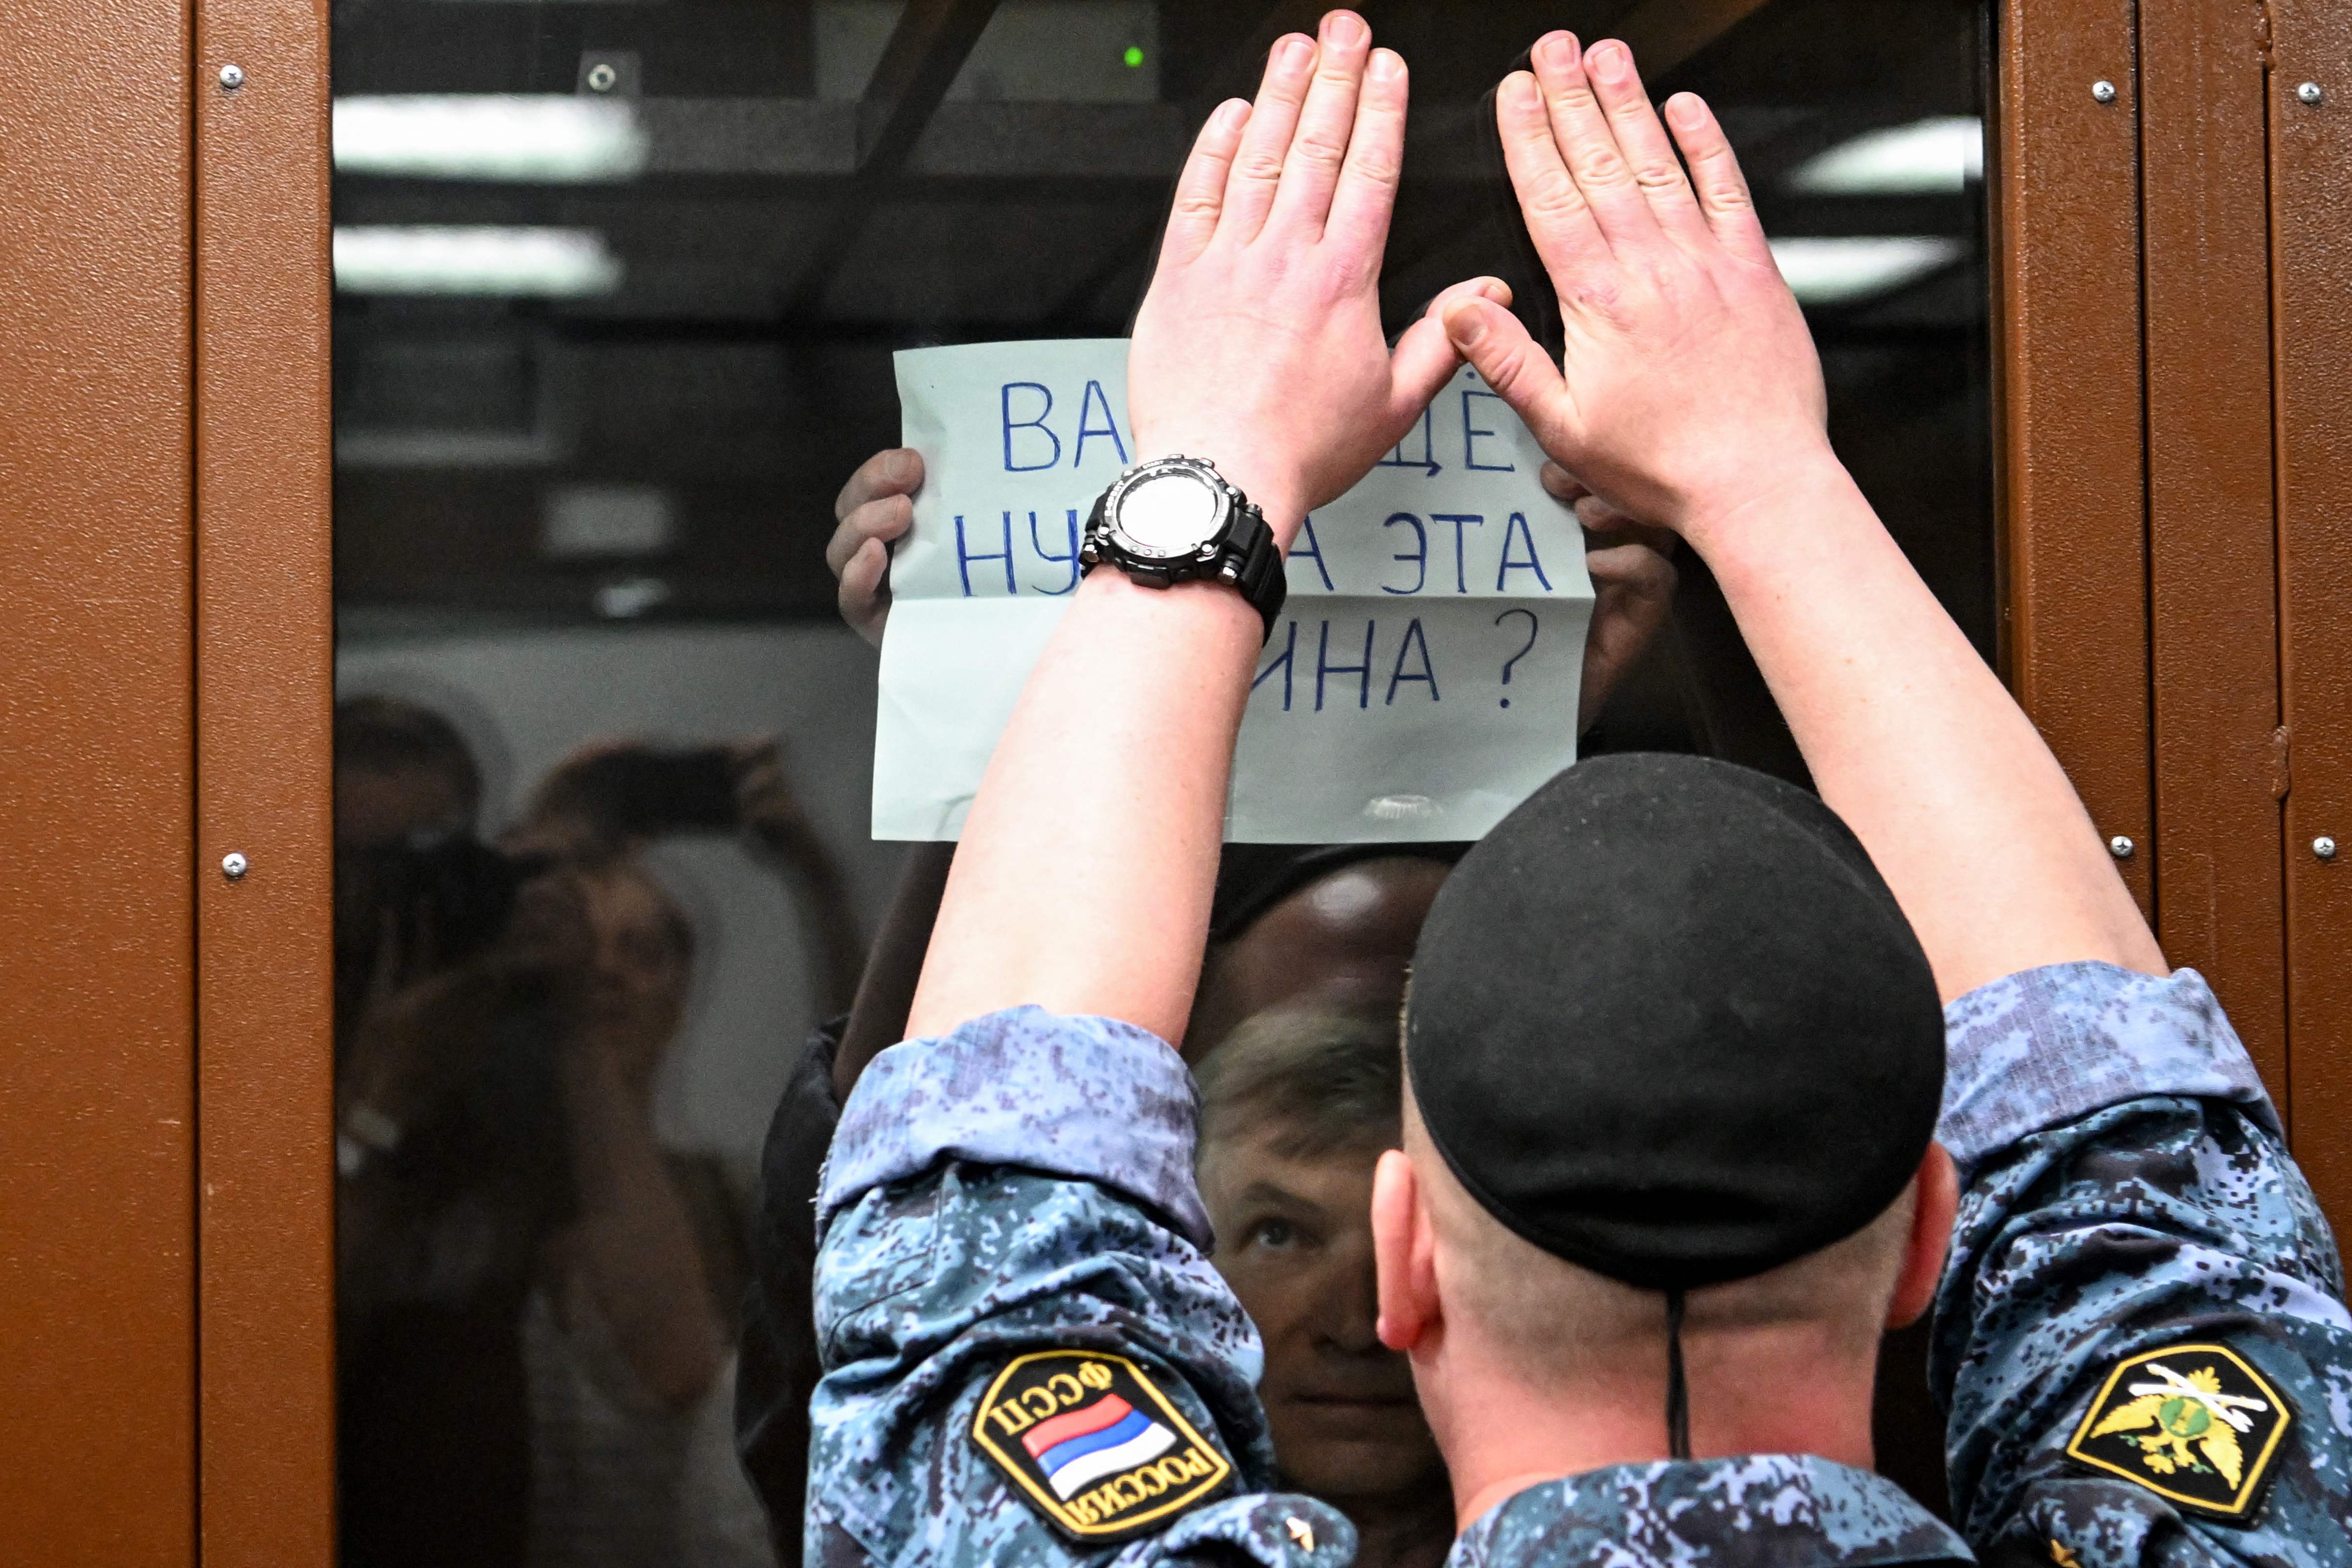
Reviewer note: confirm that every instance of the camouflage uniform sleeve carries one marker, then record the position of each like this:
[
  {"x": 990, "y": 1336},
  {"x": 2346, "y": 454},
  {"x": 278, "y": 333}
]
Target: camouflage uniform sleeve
[
  {"x": 1028, "y": 1358},
  {"x": 2140, "y": 1336}
]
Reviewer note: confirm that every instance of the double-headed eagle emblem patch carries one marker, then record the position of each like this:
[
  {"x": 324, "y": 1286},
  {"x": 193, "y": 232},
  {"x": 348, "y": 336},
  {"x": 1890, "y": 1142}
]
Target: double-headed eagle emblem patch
[{"x": 2194, "y": 1423}]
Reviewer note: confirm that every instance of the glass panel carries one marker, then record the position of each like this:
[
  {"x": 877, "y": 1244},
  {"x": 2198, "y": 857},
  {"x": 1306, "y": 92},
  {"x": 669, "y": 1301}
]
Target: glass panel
[{"x": 618, "y": 290}]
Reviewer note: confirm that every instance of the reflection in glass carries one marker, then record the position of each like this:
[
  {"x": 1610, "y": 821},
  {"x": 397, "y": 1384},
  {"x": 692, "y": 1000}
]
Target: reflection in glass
[{"x": 617, "y": 286}]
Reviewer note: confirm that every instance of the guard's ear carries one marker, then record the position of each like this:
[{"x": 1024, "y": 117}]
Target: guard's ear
[
  {"x": 1403, "y": 1253},
  {"x": 1935, "y": 1202}
]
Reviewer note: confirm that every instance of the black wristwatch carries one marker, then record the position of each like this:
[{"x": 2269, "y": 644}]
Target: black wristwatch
[{"x": 1176, "y": 520}]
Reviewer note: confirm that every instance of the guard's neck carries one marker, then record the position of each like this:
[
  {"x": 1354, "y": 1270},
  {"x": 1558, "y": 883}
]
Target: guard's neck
[{"x": 1769, "y": 1391}]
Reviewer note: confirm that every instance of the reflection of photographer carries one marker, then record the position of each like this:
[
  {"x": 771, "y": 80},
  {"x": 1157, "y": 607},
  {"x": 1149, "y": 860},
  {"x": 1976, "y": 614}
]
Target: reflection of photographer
[
  {"x": 630, "y": 1333},
  {"x": 536, "y": 1299},
  {"x": 614, "y": 798},
  {"x": 442, "y": 945},
  {"x": 454, "y": 967}
]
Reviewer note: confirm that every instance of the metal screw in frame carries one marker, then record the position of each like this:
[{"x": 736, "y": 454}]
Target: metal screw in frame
[
  {"x": 603, "y": 78},
  {"x": 2121, "y": 848},
  {"x": 232, "y": 76},
  {"x": 2103, "y": 91},
  {"x": 233, "y": 866},
  {"x": 2324, "y": 847},
  {"x": 2310, "y": 94}
]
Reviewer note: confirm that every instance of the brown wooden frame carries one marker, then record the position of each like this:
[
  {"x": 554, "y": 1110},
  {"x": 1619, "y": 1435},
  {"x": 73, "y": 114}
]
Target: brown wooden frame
[
  {"x": 2235, "y": 751},
  {"x": 2064, "y": 174},
  {"x": 98, "y": 1119},
  {"x": 2177, "y": 527},
  {"x": 264, "y": 689},
  {"x": 2179, "y": 530},
  {"x": 2311, "y": 343},
  {"x": 2219, "y": 755}
]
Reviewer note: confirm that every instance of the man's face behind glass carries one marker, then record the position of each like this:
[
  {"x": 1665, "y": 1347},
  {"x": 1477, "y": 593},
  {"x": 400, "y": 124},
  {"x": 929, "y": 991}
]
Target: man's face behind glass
[{"x": 1295, "y": 1241}]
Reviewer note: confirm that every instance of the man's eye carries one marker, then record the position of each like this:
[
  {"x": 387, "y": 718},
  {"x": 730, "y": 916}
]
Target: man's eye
[{"x": 1272, "y": 1232}]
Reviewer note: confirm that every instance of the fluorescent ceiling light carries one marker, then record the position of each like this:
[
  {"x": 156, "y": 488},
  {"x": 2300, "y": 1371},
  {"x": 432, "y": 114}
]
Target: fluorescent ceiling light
[
  {"x": 1927, "y": 157},
  {"x": 557, "y": 263},
  {"x": 1830, "y": 271},
  {"x": 541, "y": 137}
]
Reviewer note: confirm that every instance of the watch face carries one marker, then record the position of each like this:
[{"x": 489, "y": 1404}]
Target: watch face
[{"x": 1170, "y": 513}]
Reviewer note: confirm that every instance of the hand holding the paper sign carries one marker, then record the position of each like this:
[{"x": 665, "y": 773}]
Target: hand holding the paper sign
[
  {"x": 873, "y": 511},
  {"x": 1259, "y": 344},
  {"x": 1634, "y": 579}
]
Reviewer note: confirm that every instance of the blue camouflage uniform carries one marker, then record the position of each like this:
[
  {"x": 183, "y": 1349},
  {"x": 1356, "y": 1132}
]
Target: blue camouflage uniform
[{"x": 1029, "y": 1359}]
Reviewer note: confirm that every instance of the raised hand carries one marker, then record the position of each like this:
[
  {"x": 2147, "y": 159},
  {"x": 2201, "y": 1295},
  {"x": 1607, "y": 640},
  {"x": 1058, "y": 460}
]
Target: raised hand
[
  {"x": 1689, "y": 388},
  {"x": 1259, "y": 344},
  {"x": 1690, "y": 396},
  {"x": 873, "y": 509},
  {"x": 764, "y": 802}
]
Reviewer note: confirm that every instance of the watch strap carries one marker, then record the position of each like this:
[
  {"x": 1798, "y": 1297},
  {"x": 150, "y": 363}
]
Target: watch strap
[{"x": 1259, "y": 569}]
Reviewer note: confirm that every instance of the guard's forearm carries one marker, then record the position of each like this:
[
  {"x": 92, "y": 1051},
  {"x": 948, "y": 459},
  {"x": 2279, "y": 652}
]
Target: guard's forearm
[
  {"x": 1918, "y": 745},
  {"x": 1084, "y": 877}
]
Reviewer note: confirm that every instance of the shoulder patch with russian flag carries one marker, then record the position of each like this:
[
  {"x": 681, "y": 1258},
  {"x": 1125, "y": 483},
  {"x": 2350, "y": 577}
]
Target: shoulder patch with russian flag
[{"x": 1098, "y": 1451}]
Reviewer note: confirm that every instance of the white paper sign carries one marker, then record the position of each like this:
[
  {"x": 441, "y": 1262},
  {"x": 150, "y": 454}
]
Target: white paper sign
[{"x": 1422, "y": 681}]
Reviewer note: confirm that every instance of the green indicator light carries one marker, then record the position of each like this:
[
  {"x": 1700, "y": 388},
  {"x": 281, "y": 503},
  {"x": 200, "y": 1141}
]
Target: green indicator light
[{"x": 1134, "y": 56}]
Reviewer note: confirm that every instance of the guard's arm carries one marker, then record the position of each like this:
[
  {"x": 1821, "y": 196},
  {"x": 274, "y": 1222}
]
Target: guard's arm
[
  {"x": 2131, "y": 1223},
  {"x": 2129, "y": 1202},
  {"x": 1692, "y": 396},
  {"x": 1084, "y": 877},
  {"x": 1009, "y": 1199},
  {"x": 1028, "y": 1358}
]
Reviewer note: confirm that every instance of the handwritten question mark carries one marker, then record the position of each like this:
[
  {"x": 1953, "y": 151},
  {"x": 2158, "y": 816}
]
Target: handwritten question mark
[{"x": 1533, "y": 627}]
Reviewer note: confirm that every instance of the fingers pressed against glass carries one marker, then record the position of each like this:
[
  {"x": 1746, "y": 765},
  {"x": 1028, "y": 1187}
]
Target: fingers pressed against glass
[
  {"x": 1265, "y": 141},
  {"x": 1201, "y": 188},
  {"x": 1368, "y": 181},
  {"x": 1559, "y": 220},
  {"x": 1588, "y": 143},
  {"x": 1722, "y": 189},
  {"x": 1641, "y": 139},
  {"x": 1327, "y": 118}
]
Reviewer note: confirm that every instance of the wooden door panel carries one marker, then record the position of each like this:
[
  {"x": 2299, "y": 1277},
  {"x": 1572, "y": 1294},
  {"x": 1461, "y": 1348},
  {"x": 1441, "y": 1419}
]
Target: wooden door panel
[
  {"x": 265, "y": 789},
  {"x": 2213, "y": 564},
  {"x": 2311, "y": 149},
  {"x": 2065, "y": 169},
  {"x": 97, "y": 982}
]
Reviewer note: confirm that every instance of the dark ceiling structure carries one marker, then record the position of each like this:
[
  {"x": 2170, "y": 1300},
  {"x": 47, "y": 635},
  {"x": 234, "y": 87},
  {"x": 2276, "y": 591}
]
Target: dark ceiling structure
[{"x": 785, "y": 233}]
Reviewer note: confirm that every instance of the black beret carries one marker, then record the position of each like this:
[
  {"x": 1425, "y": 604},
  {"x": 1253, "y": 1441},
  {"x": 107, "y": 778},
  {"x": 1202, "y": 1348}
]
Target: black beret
[{"x": 1667, "y": 1023}]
